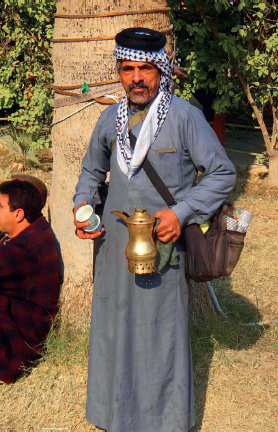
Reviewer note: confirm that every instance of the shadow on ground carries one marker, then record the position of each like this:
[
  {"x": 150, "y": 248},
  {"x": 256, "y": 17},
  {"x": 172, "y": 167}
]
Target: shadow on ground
[{"x": 211, "y": 332}]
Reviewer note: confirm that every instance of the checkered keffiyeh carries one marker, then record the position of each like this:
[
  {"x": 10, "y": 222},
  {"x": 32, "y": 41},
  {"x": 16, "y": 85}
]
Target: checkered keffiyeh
[{"x": 128, "y": 162}]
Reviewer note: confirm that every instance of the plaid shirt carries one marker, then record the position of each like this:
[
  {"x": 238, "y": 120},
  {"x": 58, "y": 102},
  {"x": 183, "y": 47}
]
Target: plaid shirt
[{"x": 29, "y": 289}]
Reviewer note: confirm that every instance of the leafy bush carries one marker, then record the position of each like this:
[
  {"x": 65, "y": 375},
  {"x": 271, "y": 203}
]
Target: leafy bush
[
  {"x": 229, "y": 49},
  {"x": 26, "y": 70}
]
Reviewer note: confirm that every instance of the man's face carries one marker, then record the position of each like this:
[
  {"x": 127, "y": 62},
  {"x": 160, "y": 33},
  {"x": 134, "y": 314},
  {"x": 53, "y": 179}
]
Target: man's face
[
  {"x": 140, "y": 81},
  {"x": 7, "y": 217}
]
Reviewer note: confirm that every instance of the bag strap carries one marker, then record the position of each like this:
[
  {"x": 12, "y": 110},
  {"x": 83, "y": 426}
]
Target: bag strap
[{"x": 157, "y": 182}]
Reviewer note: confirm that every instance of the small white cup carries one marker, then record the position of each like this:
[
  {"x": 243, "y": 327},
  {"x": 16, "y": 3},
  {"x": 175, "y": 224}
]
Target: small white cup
[{"x": 86, "y": 214}]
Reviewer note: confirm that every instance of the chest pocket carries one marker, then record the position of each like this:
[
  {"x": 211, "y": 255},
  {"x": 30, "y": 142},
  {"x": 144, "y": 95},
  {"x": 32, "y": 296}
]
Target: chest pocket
[{"x": 167, "y": 164}]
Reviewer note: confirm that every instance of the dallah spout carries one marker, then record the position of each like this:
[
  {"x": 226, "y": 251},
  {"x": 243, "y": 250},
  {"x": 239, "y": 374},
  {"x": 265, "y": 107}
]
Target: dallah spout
[{"x": 123, "y": 215}]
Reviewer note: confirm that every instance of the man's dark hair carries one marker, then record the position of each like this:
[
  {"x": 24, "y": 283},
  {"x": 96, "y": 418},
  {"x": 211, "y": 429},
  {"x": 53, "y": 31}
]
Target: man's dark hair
[
  {"x": 35, "y": 182},
  {"x": 23, "y": 195}
]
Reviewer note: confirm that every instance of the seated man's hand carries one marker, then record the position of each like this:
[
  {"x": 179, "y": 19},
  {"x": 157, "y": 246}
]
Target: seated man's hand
[
  {"x": 169, "y": 227},
  {"x": 80, "y": 225}
]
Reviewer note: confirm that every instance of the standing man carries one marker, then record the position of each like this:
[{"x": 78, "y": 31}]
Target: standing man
[{"x": 140, "y": 367}]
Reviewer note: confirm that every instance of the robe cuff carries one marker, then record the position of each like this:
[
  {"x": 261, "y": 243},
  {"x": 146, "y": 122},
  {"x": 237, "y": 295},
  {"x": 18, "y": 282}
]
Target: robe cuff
[
  {"x": 183, "y": 212},
  {"x": 80, "y": 198}
]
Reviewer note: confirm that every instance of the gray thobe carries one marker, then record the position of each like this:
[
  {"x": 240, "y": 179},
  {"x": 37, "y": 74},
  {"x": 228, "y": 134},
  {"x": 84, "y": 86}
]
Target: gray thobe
[{"x": 140, "y": 366}]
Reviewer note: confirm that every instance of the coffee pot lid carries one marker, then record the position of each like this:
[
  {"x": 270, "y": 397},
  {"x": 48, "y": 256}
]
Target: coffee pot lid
[{"x": 140, "y": 216}]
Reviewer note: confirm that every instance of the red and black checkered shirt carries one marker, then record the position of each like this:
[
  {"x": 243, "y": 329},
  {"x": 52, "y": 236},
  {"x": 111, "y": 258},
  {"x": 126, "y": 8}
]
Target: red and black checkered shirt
[{"x": 29, "y": 290}]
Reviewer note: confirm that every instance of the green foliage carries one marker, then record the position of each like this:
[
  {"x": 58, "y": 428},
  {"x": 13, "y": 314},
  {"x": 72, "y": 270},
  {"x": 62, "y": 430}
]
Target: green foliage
[
  {"x": 260, "y": 158},
  {"x": 185, "y": 90},
  {"x": 26, "y": 71},
  {"x": 21, "y": 143},
  {"x": 219, "y": 40}
]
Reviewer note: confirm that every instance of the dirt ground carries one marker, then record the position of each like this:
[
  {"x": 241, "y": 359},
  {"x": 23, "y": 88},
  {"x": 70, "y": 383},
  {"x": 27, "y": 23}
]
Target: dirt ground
[{"x": 236, "y": 376}]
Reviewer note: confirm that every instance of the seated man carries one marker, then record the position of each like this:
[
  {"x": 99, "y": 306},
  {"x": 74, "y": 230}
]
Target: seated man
[{"x": 29, "y": 277}]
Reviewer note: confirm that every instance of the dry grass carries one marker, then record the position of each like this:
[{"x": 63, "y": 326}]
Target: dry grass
[
  {"x": 235, "y": 367},
  {"x": 53, "y": 396}
]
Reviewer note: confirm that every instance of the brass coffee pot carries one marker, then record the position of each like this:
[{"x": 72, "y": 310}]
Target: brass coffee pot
[{"x": 141, "y": 250}]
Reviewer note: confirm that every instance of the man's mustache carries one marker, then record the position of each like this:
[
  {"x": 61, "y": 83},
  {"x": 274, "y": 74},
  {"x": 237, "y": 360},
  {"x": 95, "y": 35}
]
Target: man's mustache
[{"x": 140, "y": 85}]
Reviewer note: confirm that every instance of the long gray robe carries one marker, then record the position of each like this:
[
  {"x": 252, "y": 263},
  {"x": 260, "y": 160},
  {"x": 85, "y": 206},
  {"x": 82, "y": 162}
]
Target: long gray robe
[{"x": 140, "y": 367}]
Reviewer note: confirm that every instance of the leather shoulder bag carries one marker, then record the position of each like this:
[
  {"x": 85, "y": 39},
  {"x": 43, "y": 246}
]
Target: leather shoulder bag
[{"x": 210, "y": 255}]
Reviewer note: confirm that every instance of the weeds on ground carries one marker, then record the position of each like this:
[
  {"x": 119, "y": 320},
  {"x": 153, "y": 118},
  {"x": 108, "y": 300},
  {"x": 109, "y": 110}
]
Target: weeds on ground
[
  {"x": 238, "y": 192},
  {"x": 66, "y": 345},
  {"x": 213, "y": 338},
  {"x": 269, "y": 343},
  {"x": 53, "y": 394},
  {"x": 219, "y": 333}
]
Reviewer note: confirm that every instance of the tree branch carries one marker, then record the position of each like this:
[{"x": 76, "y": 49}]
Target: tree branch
[
  {"x": 275, "y": 123},
  {"x": 268, "y": 143}
]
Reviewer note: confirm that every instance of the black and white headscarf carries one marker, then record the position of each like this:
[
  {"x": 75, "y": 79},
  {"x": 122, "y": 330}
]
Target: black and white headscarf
[{"x": 128, "y": 162}]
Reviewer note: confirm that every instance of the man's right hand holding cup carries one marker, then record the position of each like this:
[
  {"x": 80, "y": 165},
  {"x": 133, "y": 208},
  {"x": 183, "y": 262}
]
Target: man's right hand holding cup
[{"x": 81, "y": 225}]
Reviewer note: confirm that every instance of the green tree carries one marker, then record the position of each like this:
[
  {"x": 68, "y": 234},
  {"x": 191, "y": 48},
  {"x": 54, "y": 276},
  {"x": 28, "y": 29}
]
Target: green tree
[
  {"x": 230, "y": 49},
  {"x": 26, "y": 70}
]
